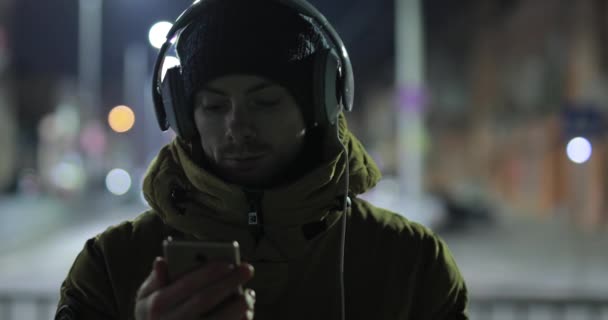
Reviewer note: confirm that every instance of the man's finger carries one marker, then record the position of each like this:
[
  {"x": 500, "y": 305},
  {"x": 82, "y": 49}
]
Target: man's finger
[
  {"x": 162, "y": 271},
  {"x": 234, "y": 309},
  {"x": 208, "y": 298},
  {"x": 155, "y": 280},
  {"x": 181, "y": 289}
]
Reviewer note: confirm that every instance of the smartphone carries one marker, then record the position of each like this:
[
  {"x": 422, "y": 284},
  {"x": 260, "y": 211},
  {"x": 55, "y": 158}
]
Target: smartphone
[{"x": 185, "y": 256}]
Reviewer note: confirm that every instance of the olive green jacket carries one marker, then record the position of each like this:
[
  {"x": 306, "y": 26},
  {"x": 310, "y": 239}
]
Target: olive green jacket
[{"x": 394, "y": 268}]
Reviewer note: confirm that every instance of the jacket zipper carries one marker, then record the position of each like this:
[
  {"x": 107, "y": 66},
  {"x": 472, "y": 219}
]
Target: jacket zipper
[{"x": 255, "y": 216}]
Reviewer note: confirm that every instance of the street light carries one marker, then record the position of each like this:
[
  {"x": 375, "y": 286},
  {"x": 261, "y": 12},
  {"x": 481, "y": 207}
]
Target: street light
[
  {"x": 118, "y": 182},
  {"x": 158, "y": 33},
  {"x": 579, "y": 150},
  {"x": 121, "y": 119}
]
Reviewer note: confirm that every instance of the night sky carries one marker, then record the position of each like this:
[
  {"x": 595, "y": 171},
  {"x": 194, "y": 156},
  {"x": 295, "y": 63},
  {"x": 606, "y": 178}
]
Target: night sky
[
  {"x": 45, "y": 31},
  {"x": 45, "y": 34}
]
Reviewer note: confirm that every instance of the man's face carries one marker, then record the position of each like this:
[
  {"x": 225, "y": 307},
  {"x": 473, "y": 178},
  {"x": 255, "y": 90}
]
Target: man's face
[{"x": 251, "y": 129}]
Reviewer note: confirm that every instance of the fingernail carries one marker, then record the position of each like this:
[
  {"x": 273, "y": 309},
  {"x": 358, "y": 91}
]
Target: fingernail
[
  {"x": 156, "y": 264},
  {"x": 252, "y": 293},
  {"x": 251, "y": 269}
]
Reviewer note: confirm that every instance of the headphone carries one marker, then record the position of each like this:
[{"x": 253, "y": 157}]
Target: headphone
[{"x": 333, "y": 80}]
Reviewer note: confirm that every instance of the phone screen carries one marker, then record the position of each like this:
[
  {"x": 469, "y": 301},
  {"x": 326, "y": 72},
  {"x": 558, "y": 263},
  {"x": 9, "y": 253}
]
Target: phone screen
[{"x": 185, "y": 256}]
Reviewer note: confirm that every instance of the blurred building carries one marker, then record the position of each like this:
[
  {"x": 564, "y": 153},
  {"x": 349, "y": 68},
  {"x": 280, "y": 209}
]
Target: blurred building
[
  {"x": 8, "y": 123},
  {"x": 534, "y": 70},
  {"x": 511, "y": 84}
]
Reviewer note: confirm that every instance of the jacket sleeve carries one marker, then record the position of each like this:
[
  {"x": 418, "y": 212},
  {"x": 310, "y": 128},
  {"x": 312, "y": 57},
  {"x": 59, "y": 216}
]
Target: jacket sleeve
[
  {"x": 444, "y": 290},
  {"x": 87, "y": 291}
]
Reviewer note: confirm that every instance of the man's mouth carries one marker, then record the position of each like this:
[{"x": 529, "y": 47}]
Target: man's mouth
[
  {"x": 243, "y": 161},
  {"x": 245, "y": 156}
]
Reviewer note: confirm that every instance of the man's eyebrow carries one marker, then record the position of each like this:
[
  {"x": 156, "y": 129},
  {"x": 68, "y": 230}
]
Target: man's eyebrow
[
  {"x": 257, "y": 87},
  {"x": 216, "y": 91}
]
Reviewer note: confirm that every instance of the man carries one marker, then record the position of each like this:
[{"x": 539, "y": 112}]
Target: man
[{"x": 250, "y": 73}]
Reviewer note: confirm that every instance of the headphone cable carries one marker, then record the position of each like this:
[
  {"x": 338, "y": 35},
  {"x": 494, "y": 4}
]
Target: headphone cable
[{"x": 345, "y": 206}]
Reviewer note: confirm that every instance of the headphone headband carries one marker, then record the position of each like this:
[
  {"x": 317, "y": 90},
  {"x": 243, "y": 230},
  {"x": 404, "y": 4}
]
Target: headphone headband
[{"x": 346, "y": 86}]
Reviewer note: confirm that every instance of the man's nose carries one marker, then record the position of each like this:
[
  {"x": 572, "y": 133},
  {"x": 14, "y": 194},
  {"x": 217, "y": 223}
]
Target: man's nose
[{"x": 240, "y": 124}]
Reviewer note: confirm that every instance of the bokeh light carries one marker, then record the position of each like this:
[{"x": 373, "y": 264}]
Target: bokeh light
[
  {"x": 579, "y": 150},
  {"x": 121, "y": 119},
  {"x": 67, "y": 176},
  {"x": 29, "y": 182},
  {"x": 67, "y": 120},
  {"x": 158, "y": 33},
  {"x": 118, "y": 182},
  {"x": 93, "y": 139}
]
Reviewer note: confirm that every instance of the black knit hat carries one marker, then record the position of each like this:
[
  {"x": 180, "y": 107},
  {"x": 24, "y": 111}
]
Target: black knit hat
[{"x": 256, "y": 37}]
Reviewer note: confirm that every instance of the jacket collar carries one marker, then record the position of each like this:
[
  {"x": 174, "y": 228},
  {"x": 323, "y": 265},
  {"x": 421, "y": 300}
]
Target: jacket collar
[{"x": 196, "y": 202}]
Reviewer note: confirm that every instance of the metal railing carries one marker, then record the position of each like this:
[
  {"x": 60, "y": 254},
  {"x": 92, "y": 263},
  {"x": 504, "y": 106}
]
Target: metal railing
[
  {"x": 39, "y": 306},
  {"x": 538, "y": 307},
  {"x": 27, "y": 305}
]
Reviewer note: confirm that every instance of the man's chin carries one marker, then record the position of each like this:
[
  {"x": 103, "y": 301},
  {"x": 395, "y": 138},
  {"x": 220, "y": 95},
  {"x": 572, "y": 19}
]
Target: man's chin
[{"x": 250, "y": 178}]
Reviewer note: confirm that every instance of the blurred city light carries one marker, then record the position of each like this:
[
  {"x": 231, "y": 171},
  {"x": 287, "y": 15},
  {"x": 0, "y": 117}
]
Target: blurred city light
[
  {"x": 47, "y": 128},
  {"x": 28, "y": 182},
  {"x": 170, "y": 62},
  {"x": 93, "y": 139},
  {"x": 158, "y": 33},
  {"x": 118, "y": 182},
  {"x": 67, "y": 120},
  {"x": 121, "y": 119},
  {"x": 579, "y": 150},
  {"x": 68, "y": 176},
  {"x": 63, "y": 124}
]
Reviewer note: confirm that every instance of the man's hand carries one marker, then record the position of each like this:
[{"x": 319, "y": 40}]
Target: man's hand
[{"x": 208, "y": 292}]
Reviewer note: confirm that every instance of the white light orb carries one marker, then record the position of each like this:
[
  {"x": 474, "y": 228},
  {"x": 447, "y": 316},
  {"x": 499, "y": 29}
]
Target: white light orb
[
  {"x": 158, "y": 33},
  {"x": 118, "y": 182},
  {"x": 579, "y": 150}
]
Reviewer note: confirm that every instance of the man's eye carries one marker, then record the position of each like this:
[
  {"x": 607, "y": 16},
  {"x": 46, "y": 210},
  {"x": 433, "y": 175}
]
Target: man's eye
[{"x": 213, "y": 108}]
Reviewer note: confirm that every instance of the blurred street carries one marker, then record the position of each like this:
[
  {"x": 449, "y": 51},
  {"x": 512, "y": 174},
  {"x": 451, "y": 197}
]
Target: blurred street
[
  {"x": 531, "y": 256},
  {"x": 37, "y": 251}
]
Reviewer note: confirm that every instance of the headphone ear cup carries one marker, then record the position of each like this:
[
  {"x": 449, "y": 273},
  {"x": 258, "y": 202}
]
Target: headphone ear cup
[
  {"x": 177, "y": 106},
  {"x": 325, "y": 92}
]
